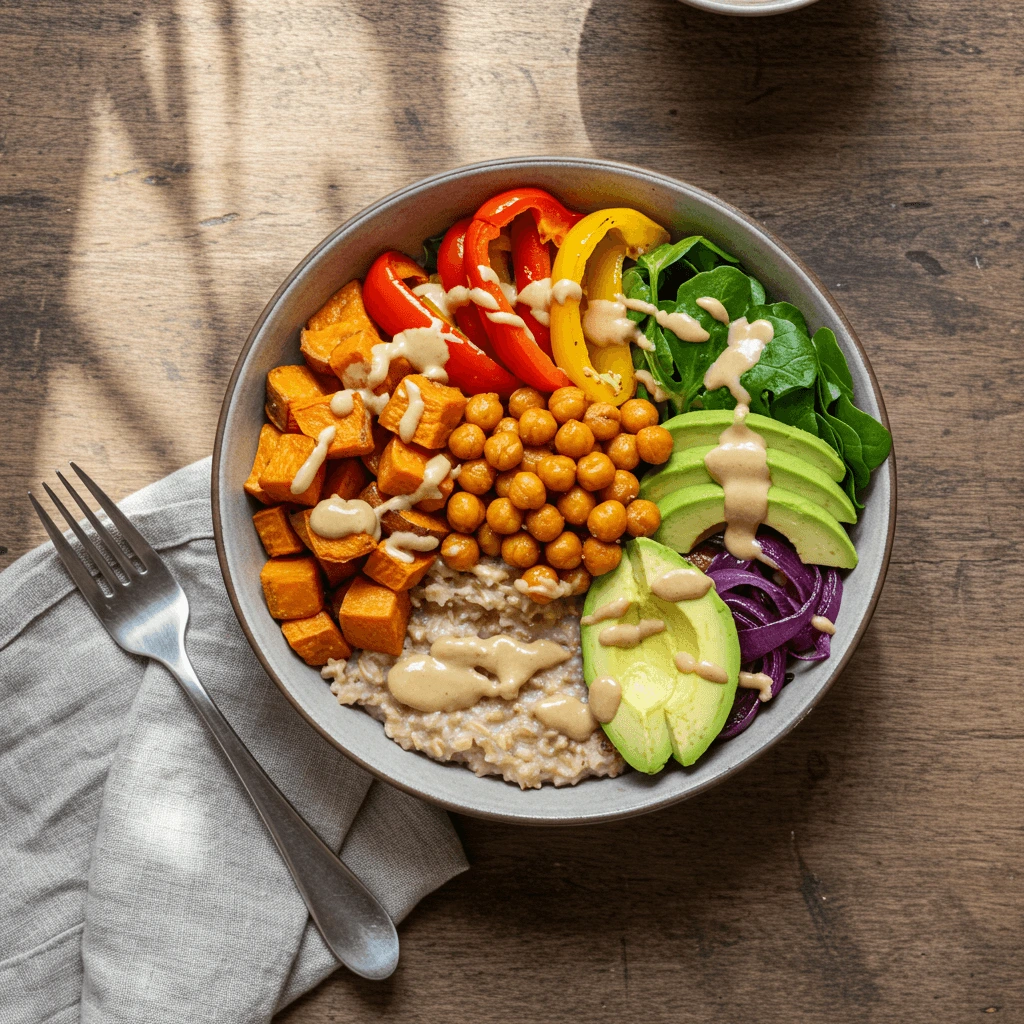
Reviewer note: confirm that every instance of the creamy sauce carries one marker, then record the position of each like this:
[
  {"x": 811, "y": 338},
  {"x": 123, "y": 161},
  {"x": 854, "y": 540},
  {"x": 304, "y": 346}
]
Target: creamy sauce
[
  {"x": 537, "y": 295},
  {"x": 434, "y": 292},
  {"x": 414, "y": 413},
  {"x": 434, "y": 474},
  {"x": 308, "y": 470},
  {"x": 605, "y": 697},
  {"x": 681, "y": 585},
  {"x": 501, "y": 317},
  {"x": 458, "y": 297},
  {"x": 509, "y": 291},
  {"x": 605, "y": 323},
  {"x": 824, "y": 625},
  {"x": 567, "y": 715},
  {"x": 343, "y": 402},
  {"x": 336, "y": 517},
  {"x": 746, "y": 342},
  {"x": 448, "y": 679},
  {"x": 546, "y": 588},
  {"x": 424, "y": 347},
  {"x": 628, "y": 635},
  {"x": 612, "y": 379},
  {"x": 681, "y": 324},
  {"x": 565, "y": 289},
  {"x": 757, "y": 681},
  {"x": 483, "y": 298},
  {"x": 713, "y": 306},
  {"x": 656, "y": 391},
  {"x": 488, "y": 273},
  {"x": 612, "y": 610},
  {"x": 401, "y": 545},
  {"x": 708, "y": 670}
]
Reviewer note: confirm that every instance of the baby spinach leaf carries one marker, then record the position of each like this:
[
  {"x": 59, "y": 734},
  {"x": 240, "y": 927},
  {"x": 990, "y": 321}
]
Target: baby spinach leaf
[
  {"x": 784, "y": 311},
  {"x": 720, "y": 398},
  {"x": 703, "y": 256},
  {"x": 787, "y": 362},
  {"x": 797, "y": 409},
  {"x": 430, "y": 247},
  {"x": 757, "y": 292},
  {"x": 875, "y": 440},
  {"x": 833, "y": 389},
  {"x": 830, "y": 356},
  {"x": 848, "y": 438}
]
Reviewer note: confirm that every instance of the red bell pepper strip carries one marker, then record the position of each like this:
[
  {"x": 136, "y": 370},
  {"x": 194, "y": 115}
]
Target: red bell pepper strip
[
  {"x": 531, "y": 261},
  {"x": 451, "y": 265},
  {"x": 512, "y": 341},
  {"x": 391, "y": 303}
]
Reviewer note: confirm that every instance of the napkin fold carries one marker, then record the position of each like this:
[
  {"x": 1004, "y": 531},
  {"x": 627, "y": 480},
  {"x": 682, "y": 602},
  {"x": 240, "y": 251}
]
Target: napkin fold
[{"x": 139, "y": 884}]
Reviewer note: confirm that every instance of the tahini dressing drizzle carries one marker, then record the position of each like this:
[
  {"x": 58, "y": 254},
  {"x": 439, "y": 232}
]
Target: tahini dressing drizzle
[
  {"x": 757, "y": 681},
  {"x": 401, "y": 545},
  {"x": 626, "y": 634},
  {"x": 708, "y": 670},
  {"x": 567, "y": 715},
  {"x": 681, "y": 585},
  {"x": 308, "y": 470}
]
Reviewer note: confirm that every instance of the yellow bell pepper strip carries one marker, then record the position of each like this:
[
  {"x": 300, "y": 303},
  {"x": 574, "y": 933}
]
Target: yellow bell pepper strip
[{"x": 596, "y": 246}]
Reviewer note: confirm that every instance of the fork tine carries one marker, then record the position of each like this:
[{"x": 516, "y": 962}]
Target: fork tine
[
  {"x": 87, "y": 542},
  {"x": 146, "y": 555},
  {"x": 101, "y": 531},
  {"x": 75, "y": 566}
]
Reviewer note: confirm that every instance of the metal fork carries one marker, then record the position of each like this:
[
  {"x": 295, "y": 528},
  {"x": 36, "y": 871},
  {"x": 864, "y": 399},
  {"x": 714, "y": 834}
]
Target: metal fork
[{"x": 145, "y": 610}]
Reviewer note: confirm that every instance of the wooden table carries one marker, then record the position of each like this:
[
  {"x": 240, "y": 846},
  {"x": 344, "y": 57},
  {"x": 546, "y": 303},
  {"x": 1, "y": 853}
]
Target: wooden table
[{"x": 162, "y": 172}]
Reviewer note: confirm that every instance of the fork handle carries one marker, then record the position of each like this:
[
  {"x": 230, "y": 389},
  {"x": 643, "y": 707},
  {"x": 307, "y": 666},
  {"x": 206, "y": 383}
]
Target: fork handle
[{"x": 356, "y": 928}]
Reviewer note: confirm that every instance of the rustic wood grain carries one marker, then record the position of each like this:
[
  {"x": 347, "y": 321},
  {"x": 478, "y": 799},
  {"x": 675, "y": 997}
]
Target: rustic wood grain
[{"x": 163, "y": 167}]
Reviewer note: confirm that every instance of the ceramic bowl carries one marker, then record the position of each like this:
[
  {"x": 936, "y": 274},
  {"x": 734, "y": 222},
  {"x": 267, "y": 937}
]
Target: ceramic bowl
[
  {"x": 402, "y": 221},
  {"x": 749, "y": 8}
]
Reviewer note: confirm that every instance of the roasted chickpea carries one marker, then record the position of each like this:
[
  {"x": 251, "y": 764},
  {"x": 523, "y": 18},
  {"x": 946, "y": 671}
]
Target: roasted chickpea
[
  {"x": 603, "y": 419},
  {"x": 574, "y": 439},
  {"x": 467, "y": 441},
  {"x": 576, "y": 504},
  {"x": 460, "y": 552},
  {"x": 503, "y": 517},
  {"x": 523, "y": 399},
  {"x": 636, "y": 414},
  {"x": 557, "y": 472},
  {"x": 540, "y": 576},
  {"x": 477, "y": 476},
  {"x": 504, "y": 450},
  {"x": 507, "y": 423},
  {"x": 489, "y": 541},
  {"x": 607, "y": 521},
  {"x": 527, "y": 491},
  {"x": 532, "y": 458},
  {"x": 484, "y": 411},
  {"x": 600, "y": 557},
  {"x": 625, "y": 487},
  {"x": 643, "y": 518},
  {"x": 621, "y": 449},
  {"x": 503, "y": 482},
  {"x": 537, "y": 426},
  {"x": 654, "y": 444},
  {"x": 578, "y": 579},
  {"x": 465, "y": 512},
  {"x": 567, "y": 404},
  {"x": 565, "y": 551},
  {"x": 595, "y": 471},
  {"x": 520, "y": 550},
  {"x": 545, "y": 523}
]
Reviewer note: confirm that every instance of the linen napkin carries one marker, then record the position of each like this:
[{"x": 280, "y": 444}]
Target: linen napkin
[{"x": 138, "y": 883}]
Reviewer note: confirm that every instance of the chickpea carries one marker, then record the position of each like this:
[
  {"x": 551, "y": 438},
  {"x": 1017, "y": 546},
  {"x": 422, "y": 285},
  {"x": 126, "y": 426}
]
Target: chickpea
[
  {"x": 557, "y": 472},
  {"x": 607, "y": 521},
  {"x": 636, "y": 414},
  {"x": 526, "y": 491},
  {"x": 477, "y": 476},
  {"x": 654, "y": 445},
  {"x": 489, "y": 541},
  {"x": 643, "y": 518},
  {"x": 467, "y": 441},
  {"x": 460, "y": 552},
  {"x": 537, "y": 426},
  {"x": 484, "y": 411},
  {"x": 503, "y": 482},
  {"x": 503, "y": 450},
  {"x": 540, "y": 576},
  {"x": 578, "y": 579},
  {"x": 565, "y": 551},
  {"x": 574, "y": 439},
  {"x": 509, "y": 424},
  {"x": 545, "y": 523},
  {"x": 603, "y": 419},
  {"x": 568, "y": 404},
  {"x": 595, "y": 471},
  {"x": 624, "y": 488},
  {"x": 621, "y": 449},
  {"x": 465, "y": 512},
  {"x": 600, "y": 557},
  {"x": 503, "y": 517},
  {"x": 532, "y": 458},
  {"x": 520, "y": 550},
  {"x": 523, "y": 399},
  {"x": 576, "y": 504}
]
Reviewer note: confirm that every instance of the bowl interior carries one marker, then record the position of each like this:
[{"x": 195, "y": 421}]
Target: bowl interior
[{"x": 402, "y": 221}]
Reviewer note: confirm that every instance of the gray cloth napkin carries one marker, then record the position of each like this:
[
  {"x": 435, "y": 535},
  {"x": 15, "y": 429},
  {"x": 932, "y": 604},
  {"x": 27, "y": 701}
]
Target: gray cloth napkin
[{"x": 138, "y": 883}]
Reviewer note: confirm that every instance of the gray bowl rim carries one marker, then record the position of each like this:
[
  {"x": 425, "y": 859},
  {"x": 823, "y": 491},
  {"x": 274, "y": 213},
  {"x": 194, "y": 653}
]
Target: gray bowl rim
[
  {"x": 749, "y": 10},
  {"x": 526, "y": 165}
]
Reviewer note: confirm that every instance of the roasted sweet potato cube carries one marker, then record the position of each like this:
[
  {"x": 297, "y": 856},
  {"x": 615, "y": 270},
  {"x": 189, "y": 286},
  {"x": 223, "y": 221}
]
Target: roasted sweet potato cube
[
  {"x": 287, "y": 384},
  {"x": 344, "y": 306},
  {"x": 342, "y": 316},
  {"x": 401, "y": 471},
  {"x": 384, "y": 568},
  {"x": 339, "y": 558},
  {"x": 351, "y": 358},
  {"x": 300, "y": 524},
  {"x": 316, "y": 639},
  {"x": 264, "y": 449},
  {"x": 353, "y": 435},
  {"x": 375, "y": 618},
  {"x": 442, "y": 410},
  {"x": 409, "y": 520},
  {"x": 380, "y": 442},
  {"x": 290, "y": 452},
  {"x": 345, "y": 478},
  {"x": 276, "y": 532},
  {"x": 337, "y": 596},
  {"x": 292, "y": 587}
]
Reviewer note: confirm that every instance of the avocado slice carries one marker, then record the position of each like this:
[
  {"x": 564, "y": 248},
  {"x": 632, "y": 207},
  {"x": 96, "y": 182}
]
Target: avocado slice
[
  {"x": 664, "y": 712},
  {"x": 689, "y": 514},
  {"x": 704, "y": 427},
  {"x": 686, "y": 468}
]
